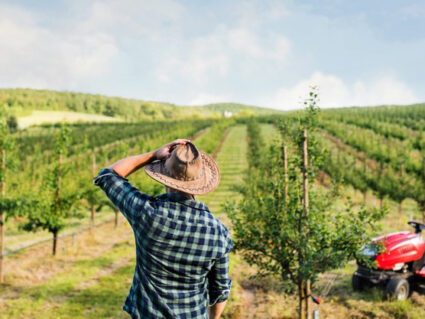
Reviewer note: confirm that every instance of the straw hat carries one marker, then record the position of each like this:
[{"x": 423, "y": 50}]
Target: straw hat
[{"x": 187, "y": 169}]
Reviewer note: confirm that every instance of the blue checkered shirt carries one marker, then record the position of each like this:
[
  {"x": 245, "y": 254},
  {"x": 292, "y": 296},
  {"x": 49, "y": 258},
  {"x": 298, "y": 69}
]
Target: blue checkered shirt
[{"x": 181, "y": 252}]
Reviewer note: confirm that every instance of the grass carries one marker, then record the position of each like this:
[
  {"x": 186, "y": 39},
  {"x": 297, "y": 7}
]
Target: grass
[
  {"x": 78, "y": 269},
  {"x": 17, "y": 238},
  {"x": 91, "y": 277},
  {"x": 270, "y": 133},
  {"x": 232, "y": 162}
]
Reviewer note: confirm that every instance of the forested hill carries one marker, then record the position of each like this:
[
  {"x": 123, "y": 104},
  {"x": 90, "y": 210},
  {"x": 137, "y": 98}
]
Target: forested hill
[{"x": 23, "y": 101}]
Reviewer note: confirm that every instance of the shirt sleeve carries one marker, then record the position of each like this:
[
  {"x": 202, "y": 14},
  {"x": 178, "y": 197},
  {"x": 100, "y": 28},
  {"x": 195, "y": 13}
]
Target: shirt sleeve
[
  {"x": 127, "y": 198},
  {"x": 219, "y": 282}
]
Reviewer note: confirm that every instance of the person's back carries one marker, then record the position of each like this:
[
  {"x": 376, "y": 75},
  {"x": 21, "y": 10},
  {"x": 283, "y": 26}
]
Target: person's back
[{"x": 181, "y": 248}]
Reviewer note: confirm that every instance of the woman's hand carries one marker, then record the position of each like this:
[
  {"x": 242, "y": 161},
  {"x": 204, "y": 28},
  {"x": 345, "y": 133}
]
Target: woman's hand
[{"x": 164, "y": 152}]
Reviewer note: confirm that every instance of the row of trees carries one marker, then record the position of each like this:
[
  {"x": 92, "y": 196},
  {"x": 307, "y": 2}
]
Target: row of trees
[
  {"x": 55, "y": 183},
  {"x": 391, "y": 151},
  {"x": 285, "y": 223},
  {"x": 368, "y": 161},
  {"x": 93, "y": 135},
  {"x": 370, "y": 149},
  {"x": 412, "y": 116}
]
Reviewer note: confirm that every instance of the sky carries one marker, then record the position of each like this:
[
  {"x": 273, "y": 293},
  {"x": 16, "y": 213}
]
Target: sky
[{"x": 266, "y": 52}]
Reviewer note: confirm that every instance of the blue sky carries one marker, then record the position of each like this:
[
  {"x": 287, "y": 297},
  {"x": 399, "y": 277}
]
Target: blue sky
[{"x": 194, "y": 52}]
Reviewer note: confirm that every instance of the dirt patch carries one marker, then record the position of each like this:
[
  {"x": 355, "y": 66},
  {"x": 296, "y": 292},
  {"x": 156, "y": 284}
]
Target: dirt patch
[
  {"x": 220, "y": 145},
  {"x": 36, "y": 265},
  {"x": 199, "y": 133}
]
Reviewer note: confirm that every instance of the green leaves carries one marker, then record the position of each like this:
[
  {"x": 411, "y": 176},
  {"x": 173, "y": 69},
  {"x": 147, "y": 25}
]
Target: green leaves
[
  {"x": 54, "y": 205},
  {"x": 255, "y": 143},
  {"x": 63, "y": 140},
  {"x": 275, "y": 232},
  {"x": 16, "y": 207}
]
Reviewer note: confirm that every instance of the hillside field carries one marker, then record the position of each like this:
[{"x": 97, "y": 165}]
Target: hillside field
[{"x": 43, "y": 117}]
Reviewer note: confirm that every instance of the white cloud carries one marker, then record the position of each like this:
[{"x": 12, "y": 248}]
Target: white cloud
[
  {"x": 214, "y": 54},
  {"x": 68, "y": 55},
  {"x": 273, "y": 47},
  {"x": 84, "y": 44},
  {"x": 256, "y": 12},
  {"x": 204, "y": 58},
  {"x": 384, "y": 90},
  {"x": 34, "y": 56},
  {"x": 334, "y": 92},
  {"x": 227, "y": 48},
  {"x": 157, "y": 20}
]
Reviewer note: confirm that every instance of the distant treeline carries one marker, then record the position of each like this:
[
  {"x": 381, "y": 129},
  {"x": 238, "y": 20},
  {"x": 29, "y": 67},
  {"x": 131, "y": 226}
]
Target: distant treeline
[{"x": 23, "y": 101}]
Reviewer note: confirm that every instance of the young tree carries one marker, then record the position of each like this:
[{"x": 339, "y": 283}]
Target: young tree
[
  {"x": 91, "y": 194},
  {"x": 299, "y": 235},
  {"x": 108, "y": 203},
  {"x": 54, "y": 205}
]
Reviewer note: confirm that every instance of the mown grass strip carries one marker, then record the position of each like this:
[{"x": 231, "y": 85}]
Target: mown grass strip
[
  {"x": 232, "y": 163},
  {"x": 42, "y": 301}
]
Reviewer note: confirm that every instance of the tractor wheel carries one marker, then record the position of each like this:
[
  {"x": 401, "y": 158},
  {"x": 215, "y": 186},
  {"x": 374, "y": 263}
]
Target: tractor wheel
[
  {"x": 358, "y": 283},
  {"x": 398, "y": 289}
]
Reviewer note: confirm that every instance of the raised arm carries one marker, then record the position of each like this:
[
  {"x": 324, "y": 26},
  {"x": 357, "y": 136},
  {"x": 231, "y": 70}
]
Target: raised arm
[
  {"x": 126, "y": 166},
  {"x": 129, "y": 200}
]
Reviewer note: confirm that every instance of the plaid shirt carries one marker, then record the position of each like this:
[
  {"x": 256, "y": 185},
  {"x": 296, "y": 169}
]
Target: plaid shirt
[{"x": 181, "y": 252}]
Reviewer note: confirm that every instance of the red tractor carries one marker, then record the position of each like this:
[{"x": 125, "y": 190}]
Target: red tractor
[{"x": 398, "y": 263}]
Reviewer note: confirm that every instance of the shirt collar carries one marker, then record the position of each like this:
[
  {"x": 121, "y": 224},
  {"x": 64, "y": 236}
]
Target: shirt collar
[{"x": 176, "y": 197}]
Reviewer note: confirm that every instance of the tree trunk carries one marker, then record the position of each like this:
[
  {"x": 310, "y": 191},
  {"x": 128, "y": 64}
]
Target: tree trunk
[
  {"x": 400, "y": 208},
  {"x": 2, "y": 214},
  {"x": 92, "y": 215},
  {"x": 423, "y": 167},
  {"x": 305, "y": 175},
  {"x": 300, "y": 299},
  {"x": 364, "y": 198},
  {"x": 364, "y": 165},
  {"x": 116, "y": 218},
  {"x": 381, "y": 203},
  {"x": 58, "y": 190},
  {"x": 307, "y": 297},
  {"x": 55, "y": 242},
  {"x": 285, "y": 173},
  {"x": 306, "y": 211}
]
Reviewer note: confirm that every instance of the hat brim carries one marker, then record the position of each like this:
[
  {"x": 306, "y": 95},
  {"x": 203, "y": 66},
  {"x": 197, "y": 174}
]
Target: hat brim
[{"x": 209, "y": 180}]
